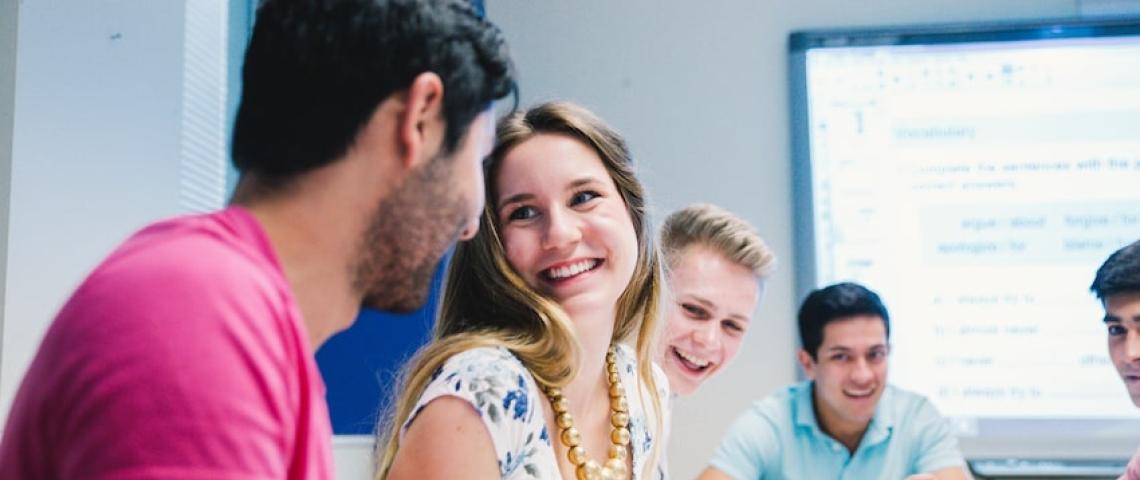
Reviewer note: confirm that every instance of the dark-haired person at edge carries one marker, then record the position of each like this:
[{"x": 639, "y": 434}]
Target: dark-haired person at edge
[
  {"x": 1117, "y": 286},
  {"x": 188, "y": 352},
  {"x": 845, "y": 421}
]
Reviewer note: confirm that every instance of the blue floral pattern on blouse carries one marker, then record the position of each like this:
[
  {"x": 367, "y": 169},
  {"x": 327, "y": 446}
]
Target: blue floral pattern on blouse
[{"x": 512, "y": 408}]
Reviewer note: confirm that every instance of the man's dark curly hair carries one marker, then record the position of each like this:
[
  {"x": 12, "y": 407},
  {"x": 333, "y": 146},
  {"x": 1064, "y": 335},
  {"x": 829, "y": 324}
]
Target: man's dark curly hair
[
  {"x": 832, "y": 303},
  {"x": 1120, "y": 273},
  {"x": 316, "y": 70}
]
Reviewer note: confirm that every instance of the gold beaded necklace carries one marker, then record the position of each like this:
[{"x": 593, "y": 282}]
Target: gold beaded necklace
[{"x": 585, "y": 467}]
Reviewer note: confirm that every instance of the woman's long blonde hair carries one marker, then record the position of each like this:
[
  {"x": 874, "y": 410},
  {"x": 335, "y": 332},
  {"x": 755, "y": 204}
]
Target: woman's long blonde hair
[{"x": 486, "y": 303}]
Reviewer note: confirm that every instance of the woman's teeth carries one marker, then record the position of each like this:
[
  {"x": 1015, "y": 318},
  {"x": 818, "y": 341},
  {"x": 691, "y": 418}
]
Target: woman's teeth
[{"x": 571, "y": 270}]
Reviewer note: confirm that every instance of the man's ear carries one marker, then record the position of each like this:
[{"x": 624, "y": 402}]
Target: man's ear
[
  {"x": 807, "y": 363},
  {"x": 422, "y": 124}
]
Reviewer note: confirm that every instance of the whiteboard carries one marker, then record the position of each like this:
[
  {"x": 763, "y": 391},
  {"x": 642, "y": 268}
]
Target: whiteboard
[{"x": 976, "y": 176}]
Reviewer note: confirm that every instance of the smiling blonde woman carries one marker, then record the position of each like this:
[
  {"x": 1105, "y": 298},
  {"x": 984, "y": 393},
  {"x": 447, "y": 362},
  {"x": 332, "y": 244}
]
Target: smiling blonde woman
[{"x": 531, "y": 372}]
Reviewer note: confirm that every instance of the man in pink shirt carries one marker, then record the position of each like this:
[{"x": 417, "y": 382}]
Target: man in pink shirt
[
  {"x": 188, "y": 353},
  {"x": 1117, "y": 285}
]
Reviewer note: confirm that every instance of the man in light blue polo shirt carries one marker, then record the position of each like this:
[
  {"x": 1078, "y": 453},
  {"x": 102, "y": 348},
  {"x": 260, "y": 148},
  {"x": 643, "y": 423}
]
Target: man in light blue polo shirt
[{"x": 845, "y": 422}]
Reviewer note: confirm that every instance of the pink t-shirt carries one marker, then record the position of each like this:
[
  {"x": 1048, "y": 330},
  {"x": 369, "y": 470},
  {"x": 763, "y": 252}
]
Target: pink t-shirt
[{"x": 183, "y": 355}]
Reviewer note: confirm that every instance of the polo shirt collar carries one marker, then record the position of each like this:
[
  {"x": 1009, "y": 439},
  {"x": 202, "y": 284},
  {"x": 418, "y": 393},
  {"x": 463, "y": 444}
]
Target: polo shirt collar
[
  {"x": 805, "y": 412},
  {"x": 882, "y": 423}
]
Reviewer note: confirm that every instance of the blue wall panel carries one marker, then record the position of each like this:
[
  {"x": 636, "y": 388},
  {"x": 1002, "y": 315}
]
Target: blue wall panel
[{"x": 360, "y": 365}]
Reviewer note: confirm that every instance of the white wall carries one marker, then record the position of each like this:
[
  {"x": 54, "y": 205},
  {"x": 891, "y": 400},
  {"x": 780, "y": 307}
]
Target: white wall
[
  {"x": 100, "y": 105},
  {"x": 9, "y": 13},
  {"x": 700, "y": 91}
]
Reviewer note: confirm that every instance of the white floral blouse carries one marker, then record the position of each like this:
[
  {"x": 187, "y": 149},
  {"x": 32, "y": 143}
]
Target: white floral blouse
[{"x": 509, "y": 401}]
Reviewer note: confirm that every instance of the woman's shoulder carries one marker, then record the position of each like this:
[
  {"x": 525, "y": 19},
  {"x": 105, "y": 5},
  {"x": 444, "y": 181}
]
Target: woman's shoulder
[
  {"x": 504, "y": 394},
  {"x": 483, "y": 361},
  {"x": 492, "y": 380},
  {"x": 484, "y": 374}
]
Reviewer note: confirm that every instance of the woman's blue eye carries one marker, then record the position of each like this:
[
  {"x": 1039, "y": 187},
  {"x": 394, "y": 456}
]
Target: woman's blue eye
[
  {"x": 583, "y": 197},
  {"x": 1114, "y": 330},
  {"x": 522, "y": 213}
]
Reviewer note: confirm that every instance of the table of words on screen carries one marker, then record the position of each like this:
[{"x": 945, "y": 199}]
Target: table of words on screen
[{"x": 978, "y": 189}]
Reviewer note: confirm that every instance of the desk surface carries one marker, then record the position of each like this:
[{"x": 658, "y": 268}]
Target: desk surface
[{"x": 1040, "y": 468}]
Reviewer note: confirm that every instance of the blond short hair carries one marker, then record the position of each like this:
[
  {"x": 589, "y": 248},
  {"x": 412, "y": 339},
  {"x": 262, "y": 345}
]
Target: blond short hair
[{"x": 714, "y": 227}]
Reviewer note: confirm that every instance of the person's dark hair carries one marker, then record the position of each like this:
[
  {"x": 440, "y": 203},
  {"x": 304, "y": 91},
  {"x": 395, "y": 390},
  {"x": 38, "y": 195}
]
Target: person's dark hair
[
  {"x": 835, "y": 302},
  {"x": 316, "y": 70},
  {"x": 1120, "y": 273}
]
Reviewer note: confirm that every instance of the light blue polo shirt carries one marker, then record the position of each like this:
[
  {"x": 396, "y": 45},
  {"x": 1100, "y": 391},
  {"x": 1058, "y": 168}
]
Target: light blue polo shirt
[{"x": 778, "y": 438}]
